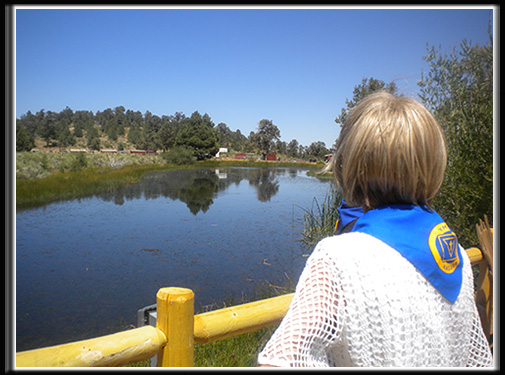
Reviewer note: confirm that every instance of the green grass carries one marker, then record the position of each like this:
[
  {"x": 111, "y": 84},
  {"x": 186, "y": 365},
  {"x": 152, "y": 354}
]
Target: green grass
[
  {"x": 319, "y": 221},
  {"x": 58, "y": 186},
  {"x": 238, "y": 351},
  {"x": 322, "y": 176}
]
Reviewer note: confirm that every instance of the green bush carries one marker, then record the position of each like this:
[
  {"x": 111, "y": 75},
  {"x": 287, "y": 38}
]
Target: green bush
[
  {"x": 79, "y": 162},
  {"x": 458, "y": 89},
  {"x": 179, "y": 156}
]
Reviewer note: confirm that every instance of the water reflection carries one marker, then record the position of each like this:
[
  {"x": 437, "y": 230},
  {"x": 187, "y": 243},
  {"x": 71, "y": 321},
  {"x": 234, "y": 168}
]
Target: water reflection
[{"x": 199, "y": 187}]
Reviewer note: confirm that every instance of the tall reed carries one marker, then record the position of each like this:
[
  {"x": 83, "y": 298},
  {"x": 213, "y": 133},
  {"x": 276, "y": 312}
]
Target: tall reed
[{"x": 319, "y": 221}]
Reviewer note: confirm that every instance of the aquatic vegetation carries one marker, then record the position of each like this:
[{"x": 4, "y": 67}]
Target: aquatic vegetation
[{"x": 319, "y": 221}]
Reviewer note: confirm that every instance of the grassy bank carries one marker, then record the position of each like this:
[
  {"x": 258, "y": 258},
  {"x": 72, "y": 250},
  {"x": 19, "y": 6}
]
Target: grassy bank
[
  {"x": 58, "y": 186},
  {"x": 40, "y": 165}
]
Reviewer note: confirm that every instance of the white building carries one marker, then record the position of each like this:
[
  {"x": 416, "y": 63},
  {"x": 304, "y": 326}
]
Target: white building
[{"x": 221, "y": 151}]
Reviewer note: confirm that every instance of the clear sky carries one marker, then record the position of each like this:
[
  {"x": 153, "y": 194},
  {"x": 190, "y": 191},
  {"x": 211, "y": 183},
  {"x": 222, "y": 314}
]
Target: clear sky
[{"x": 295, "y": 67}]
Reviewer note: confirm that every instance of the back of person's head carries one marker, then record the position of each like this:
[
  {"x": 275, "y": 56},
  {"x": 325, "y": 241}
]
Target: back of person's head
[{"x": 391, "y": 150}]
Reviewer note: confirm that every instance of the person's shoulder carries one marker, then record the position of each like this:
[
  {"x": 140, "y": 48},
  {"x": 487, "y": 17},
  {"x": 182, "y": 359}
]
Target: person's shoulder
[
  {"x": 355, "y": 247},
  {"x": 346, "y": 244},
  {"x": 354, "y": 239}
]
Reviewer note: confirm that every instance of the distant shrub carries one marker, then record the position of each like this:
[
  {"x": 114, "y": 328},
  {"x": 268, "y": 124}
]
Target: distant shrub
[
  {"x": 44, "y": 162},
  {"x": 179, "y": 156},
  {"x": 79, "y": 162},
  {"x": 29, "y": 165}
]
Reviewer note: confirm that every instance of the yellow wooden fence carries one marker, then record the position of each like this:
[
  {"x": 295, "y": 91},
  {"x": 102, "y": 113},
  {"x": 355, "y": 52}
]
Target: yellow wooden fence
[{"x": 177, "y": 328}]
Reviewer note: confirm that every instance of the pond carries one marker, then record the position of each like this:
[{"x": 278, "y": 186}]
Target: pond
[{"x": 84, "y": 267}]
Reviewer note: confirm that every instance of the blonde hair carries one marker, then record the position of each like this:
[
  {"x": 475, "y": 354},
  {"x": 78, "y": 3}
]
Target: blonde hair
[{"x": 390, "y": 150}]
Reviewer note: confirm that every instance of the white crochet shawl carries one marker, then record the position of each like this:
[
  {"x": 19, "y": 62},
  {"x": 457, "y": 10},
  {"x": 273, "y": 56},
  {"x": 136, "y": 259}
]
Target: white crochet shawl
[{"x": 358, "y": 302}]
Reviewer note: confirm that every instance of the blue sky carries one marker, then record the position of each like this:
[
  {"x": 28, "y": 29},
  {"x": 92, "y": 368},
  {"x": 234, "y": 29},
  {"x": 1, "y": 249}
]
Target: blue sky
[{"x": 295, "y": 67}]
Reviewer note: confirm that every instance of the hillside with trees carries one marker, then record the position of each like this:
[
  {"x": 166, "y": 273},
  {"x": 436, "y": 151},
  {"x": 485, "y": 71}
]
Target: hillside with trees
[{"x": 125, "y": 129}]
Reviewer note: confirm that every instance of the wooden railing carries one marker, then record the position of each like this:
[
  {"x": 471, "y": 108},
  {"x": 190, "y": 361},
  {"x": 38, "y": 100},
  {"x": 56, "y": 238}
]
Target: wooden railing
[
  {"x": 177, "y": 328},
  {"x": 172, "y": 339}
]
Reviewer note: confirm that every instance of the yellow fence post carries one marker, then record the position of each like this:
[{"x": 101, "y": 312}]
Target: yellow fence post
[{"x": 175, "y": 309}]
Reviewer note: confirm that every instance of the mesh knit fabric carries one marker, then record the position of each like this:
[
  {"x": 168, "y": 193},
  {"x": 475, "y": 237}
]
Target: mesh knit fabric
[{"x": 360, "y": 303}]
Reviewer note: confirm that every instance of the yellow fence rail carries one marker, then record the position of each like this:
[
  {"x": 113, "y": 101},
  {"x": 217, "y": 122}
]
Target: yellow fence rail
[
  {"x": 112, "y": 350},
  {"x": 177, "y": 328}
]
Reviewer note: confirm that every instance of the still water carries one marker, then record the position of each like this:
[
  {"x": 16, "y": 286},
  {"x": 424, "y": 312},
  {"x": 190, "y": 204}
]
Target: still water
[{"x": 84, "y": 267}]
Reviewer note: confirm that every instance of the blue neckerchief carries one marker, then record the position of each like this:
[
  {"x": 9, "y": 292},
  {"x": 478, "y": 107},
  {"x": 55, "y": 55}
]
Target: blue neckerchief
[
  {"x": 422, "y": 237},
  {"x": 347, "y": 215}
]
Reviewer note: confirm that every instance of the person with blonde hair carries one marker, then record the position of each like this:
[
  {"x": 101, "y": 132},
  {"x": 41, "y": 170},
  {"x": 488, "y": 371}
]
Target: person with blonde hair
[{"x": 397, "y": 289}]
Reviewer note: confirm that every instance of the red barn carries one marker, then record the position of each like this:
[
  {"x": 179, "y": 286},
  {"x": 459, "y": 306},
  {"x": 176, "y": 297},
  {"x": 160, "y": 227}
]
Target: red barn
[{"x": 271, "y": 157}]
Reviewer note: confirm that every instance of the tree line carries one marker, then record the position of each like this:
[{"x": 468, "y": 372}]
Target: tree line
[{"x": 123, "y": 128}]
